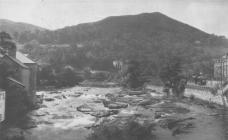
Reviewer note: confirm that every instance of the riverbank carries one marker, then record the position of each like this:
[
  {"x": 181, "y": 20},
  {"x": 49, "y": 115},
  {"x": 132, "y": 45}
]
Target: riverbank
[{"x": 204, "y": 95}]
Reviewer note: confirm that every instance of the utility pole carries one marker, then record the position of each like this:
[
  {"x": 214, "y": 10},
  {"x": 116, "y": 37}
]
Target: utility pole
[{"x": 222, "y": 78}]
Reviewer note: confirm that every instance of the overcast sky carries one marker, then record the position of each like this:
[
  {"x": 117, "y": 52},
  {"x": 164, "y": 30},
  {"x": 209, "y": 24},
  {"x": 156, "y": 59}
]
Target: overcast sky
[{"x": 207, "y": 15}]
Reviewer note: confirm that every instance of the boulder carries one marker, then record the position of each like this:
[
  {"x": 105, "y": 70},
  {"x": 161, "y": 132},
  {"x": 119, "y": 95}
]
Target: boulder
[
  {"x": 49, "y": 99},
  {"x": 54, "y": 92},
  {"x": 62, "y": 116},
  {"x": 38, "y": 113},
  {"x": 76, "y": 94},
  {"x": 110, "y": 96},
  {"x": 104, "y": 113},
  {"x": 148, "y": 102},
  {"x": 58, "y": 97},
  {"x": 85, "y": 108},
  {"x": 115, "y": 105},
  {"x": 136, "y": 92},
  {"x": 96, "y": 113}
]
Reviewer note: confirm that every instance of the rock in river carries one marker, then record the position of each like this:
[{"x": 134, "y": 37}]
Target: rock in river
[
  {"x": 136, "y": 92},
  {"x": 76, "y": 94},
  {"x": 104, "y": 113},
  {"x": 49, "y": 99},
  {"x": 85, "y": 108},
  {"x": 96, "y": 113},
  {"x": 114, "y": 105}
]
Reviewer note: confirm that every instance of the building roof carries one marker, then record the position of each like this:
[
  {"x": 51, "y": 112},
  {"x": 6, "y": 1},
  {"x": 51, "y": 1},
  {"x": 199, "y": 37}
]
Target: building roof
[
  {"x": 16, "y": 61},
  {"x": 21, "y": 57}
]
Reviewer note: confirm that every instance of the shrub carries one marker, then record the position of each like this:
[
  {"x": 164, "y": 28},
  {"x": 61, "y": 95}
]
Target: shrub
[
  {"x": 117, "y": 130},
  {"x": 65, "y": 77},
  {"x": 192, "y": 97},
  {"x": 100, "y": 76},
  {"x": 132, "y": 75},
  {"x": 171, "y": 74},
  {"x": 68, "y": 77}
]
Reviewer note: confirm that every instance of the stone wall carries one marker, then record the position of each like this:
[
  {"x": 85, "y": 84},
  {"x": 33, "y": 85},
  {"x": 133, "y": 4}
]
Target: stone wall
[{"x": 201, "y": 93}]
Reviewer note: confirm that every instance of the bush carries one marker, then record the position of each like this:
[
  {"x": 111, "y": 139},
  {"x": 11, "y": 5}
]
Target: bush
[
  {"x": 100, "y": 76},
  {"x": 68, "y": 77},
  {"x": 132, "y": 75},
  {"x": 192, "y": 97},
  {"x": 171, "y": 74},
  {"x": 65, "y": 77},
  {"x": 130, "y": 130}
]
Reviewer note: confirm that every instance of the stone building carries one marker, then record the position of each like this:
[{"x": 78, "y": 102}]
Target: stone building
[{"x": 17, "y": 77}]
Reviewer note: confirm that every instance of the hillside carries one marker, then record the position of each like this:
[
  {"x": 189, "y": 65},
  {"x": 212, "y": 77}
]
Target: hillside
[
  {"x": 17, "y": 28},
  {"x": 143, "y": 27},
  {"x": 151, "y": 37},
  {"x": 148, "y": 26}
]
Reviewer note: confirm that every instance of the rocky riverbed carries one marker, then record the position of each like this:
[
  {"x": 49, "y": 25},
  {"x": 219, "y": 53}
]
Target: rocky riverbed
[{"x": 75, "y": 113}]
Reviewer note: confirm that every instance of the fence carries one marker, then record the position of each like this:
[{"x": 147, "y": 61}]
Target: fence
[{"x": 197, "y": 87}]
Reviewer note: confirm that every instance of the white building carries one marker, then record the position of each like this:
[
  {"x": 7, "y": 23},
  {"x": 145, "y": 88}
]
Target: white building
[{"x": 221, "y": 68}]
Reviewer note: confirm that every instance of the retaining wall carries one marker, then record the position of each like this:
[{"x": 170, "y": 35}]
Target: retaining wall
[{"x": 202, "y": 93}]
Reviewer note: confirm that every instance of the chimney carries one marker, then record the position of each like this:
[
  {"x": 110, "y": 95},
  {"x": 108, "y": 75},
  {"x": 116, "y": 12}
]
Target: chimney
[
  {"x": 12, "y": 51},
  {"x": 10, "y": 48},
  {"x": 7, "y": 44}
]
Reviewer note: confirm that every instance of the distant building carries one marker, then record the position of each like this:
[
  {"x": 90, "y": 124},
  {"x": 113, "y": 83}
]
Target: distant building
[{"x": 221, "y": 68}]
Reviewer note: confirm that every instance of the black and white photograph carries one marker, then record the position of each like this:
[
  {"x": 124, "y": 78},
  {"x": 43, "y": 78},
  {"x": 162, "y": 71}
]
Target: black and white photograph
[{"x": 113, "y": 69}]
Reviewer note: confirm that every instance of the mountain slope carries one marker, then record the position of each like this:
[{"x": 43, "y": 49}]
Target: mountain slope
[
  {"x": 147, "y": 26},
  {"x": 148, "y": 31},
  {"x": 17, "y": 27},
  {"x": 152, "y": 37}
]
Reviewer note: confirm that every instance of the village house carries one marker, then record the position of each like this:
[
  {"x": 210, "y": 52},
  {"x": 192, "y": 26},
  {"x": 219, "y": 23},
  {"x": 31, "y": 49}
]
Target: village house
[{"x": 17, "y": 70}]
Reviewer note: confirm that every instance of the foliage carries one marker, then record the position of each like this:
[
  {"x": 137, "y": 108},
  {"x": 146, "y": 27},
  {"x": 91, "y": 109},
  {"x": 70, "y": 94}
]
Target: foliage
[
  {"x": 68, "y": 77},
  {"x": 149, "y": 40},
  {"x": 132, "y": 75},
  {"x": 192, "y": 97},
  {"x": 214, "y": 89},
  {"x": 65, "y": 77},
  {"x": 172, "y": 77},
  {"x": 4, "y": 35},
  {"x": 100, "y": 76},
  {"x": 130, "y": 130}
]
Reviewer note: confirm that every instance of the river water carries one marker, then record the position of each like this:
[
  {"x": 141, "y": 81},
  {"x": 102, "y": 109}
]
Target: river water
[{"x": 59, "y": 119}]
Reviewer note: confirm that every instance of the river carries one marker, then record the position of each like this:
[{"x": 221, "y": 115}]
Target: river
[{"x": 59, "y": 119}]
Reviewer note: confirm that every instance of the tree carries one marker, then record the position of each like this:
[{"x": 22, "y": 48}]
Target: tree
[
  {"x": 132, "y": 75},
  {"x": 171, "y": 75},
  {"x": 68, "y": 77},
  {"x": 3, "y": 36}
]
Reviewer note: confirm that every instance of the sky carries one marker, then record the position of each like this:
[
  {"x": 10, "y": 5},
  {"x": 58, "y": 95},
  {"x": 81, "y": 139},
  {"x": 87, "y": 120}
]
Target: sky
[{"x": 207, "y": 15}]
